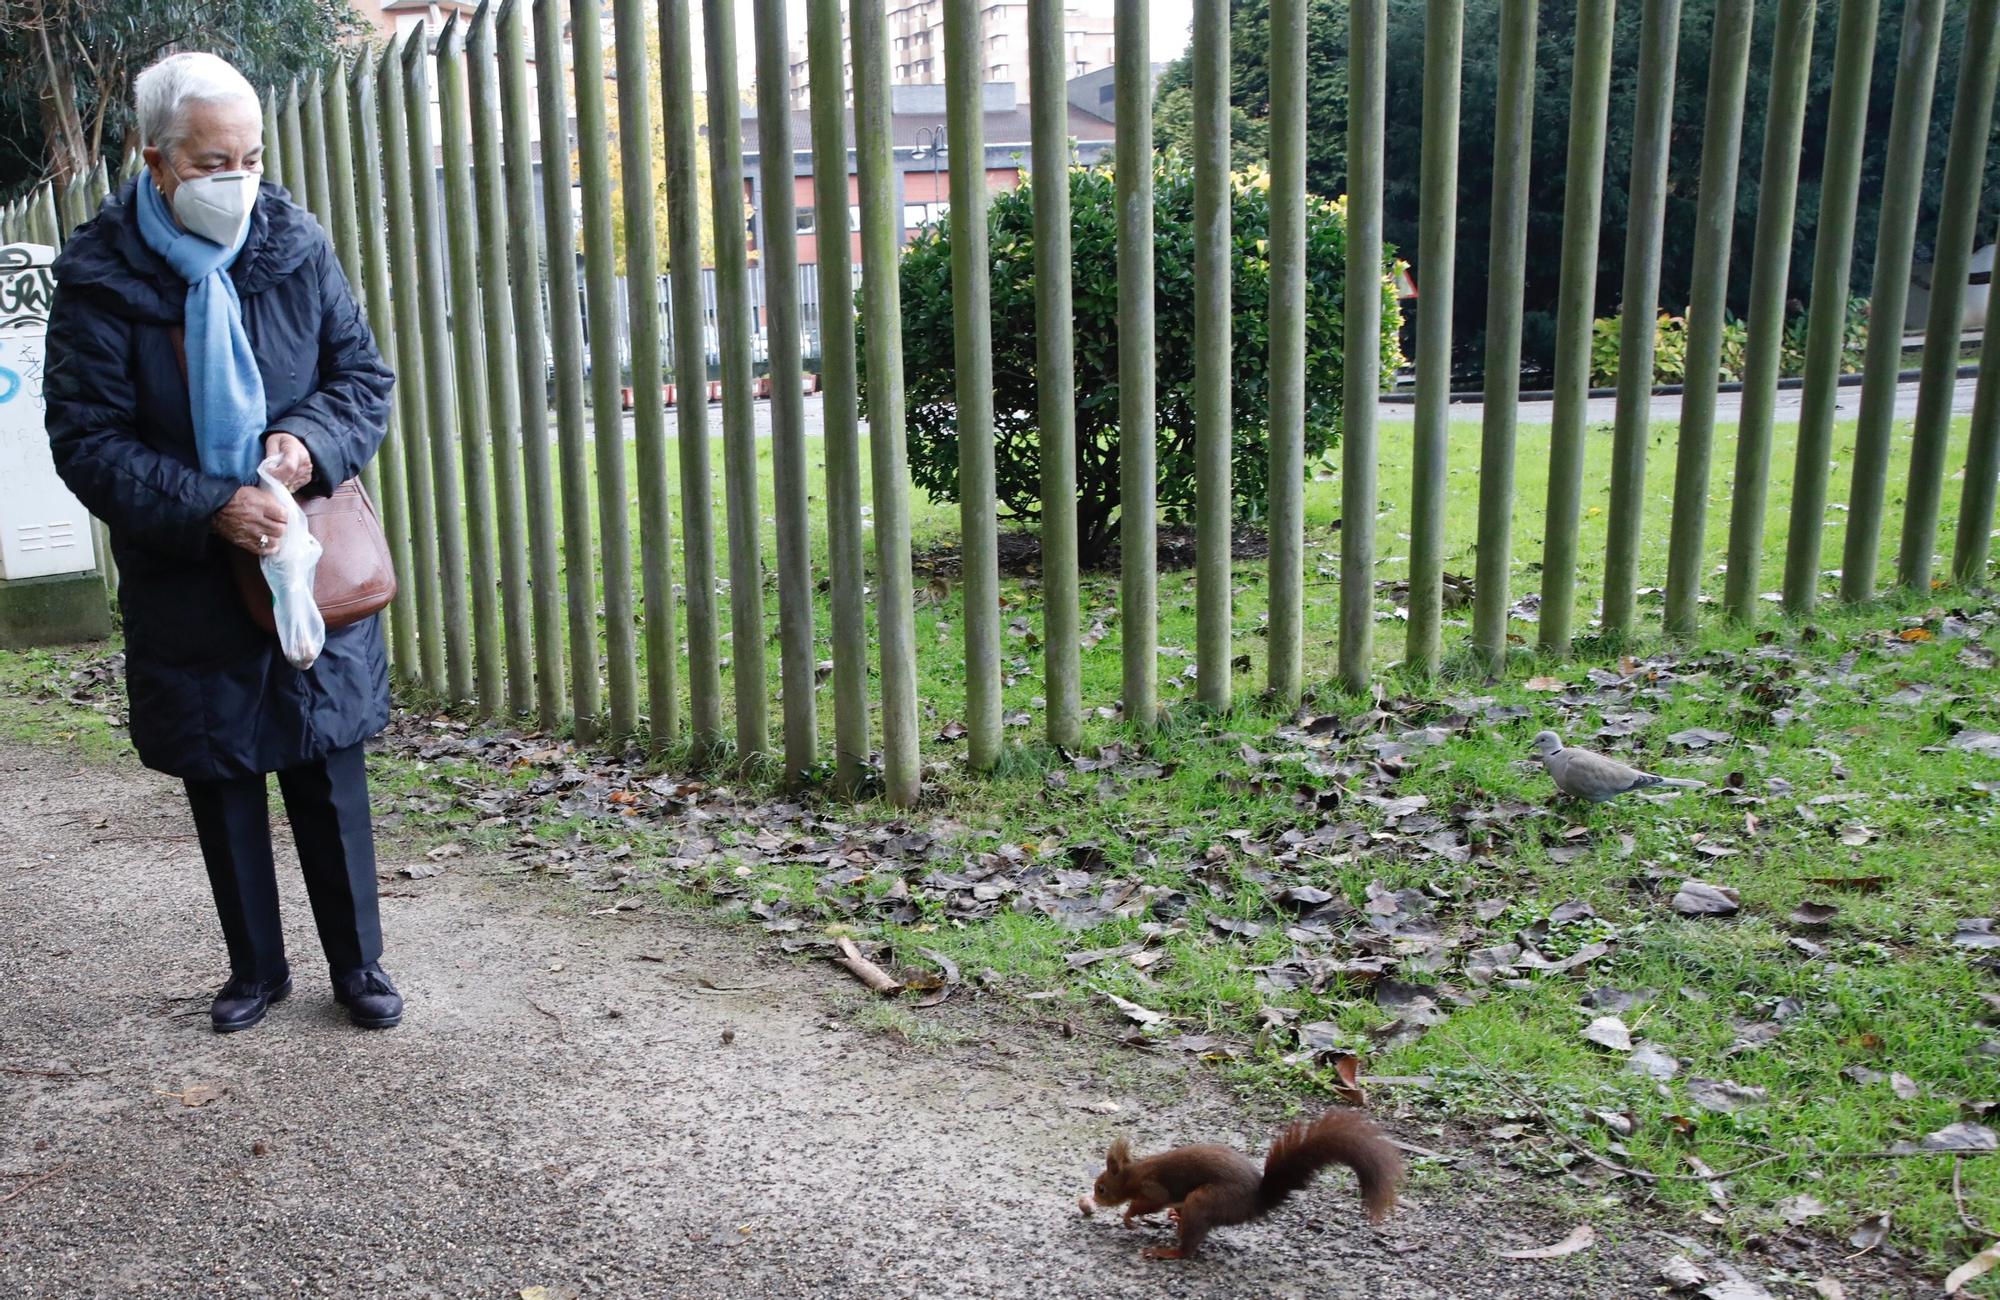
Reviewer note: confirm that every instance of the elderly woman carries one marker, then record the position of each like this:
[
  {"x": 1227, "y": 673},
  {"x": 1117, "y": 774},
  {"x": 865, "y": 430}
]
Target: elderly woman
[{"x": 200, "y": 325}]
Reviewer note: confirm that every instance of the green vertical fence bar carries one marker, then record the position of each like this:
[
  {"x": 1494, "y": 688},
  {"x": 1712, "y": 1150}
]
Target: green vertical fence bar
[
  {"x": 460, "y": 235},
  {"x": 441, "y": 405},
  {"x": 1982, "y": 471},
  {"x": 53, "y": 232},
  {"x": 566, "y": 339},
  {"x": 1139, "y": 625},
  {"x": 1826, "y": 329},
  {"x": 1437, "y": 258},
  {"x": 330, "y": 116},
  {"x": 798, "y": 663},
  {"x": 312, "y": 130},
  {"x": 1367, "y": 62},
  {"x": 526, "y": 280},
  {"x": 614, "y": 520},
  {"x": 739, "y": 444},
  {"x": 1285, "y": 653},
  {"x": 503, "y": 387},
  {"x": 1964, "y": 175},
  {"x": 1659, "y": 44},
  {"x": 1506, "y": 263},
  {"x": 1213, "y": 264},
  {"x": 1590, "y": 90},
  {"x": 331, "y": 97},
  {"x": 1895, "y": 241},
  {"x": 274, "y": 140},
  {"x": 1055, "y": 368},
  {"x": 972, "y": 326},
  {"x": 67, "y": 218},
  {"x": 649, "y": 414},
  {"x": 1714, "y": 225},
  {"x": 839, "y": 403},
  {"x": 1777, "y": 198},
  {"x": 413, "y": 415},
  {"x": 691, "y": 379},
  {"x": 371, "y": 222},
  {"x": 881, "y": 232},
  {"x": 295, "y": 147}
]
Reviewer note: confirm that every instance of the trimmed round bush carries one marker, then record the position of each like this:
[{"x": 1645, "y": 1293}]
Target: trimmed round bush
[{"x": 930, "y": 367}]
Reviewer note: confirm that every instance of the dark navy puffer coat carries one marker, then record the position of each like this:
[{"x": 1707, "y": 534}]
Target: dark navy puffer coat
[{"x": 211, "y": 695}]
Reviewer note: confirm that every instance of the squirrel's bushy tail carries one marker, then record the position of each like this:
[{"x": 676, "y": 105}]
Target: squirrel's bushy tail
[{"x": 1345, "y": 1137}]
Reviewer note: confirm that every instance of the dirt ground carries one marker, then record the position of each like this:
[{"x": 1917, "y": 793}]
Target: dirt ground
[{"x": 560, "y": 1110}]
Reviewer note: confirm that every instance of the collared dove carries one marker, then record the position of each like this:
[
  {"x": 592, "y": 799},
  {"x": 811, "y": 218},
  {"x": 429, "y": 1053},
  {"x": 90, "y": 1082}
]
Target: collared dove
[{"x": 1581, "y": 774}]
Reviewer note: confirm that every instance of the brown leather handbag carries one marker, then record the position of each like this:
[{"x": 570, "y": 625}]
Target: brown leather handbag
[{"x": 354, "y": 578}]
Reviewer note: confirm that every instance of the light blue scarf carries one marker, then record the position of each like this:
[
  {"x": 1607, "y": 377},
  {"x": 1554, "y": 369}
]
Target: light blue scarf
[{"x": 225, "y": 391}]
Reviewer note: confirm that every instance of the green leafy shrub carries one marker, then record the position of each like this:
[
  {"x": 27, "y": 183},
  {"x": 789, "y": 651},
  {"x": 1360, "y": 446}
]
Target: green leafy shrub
[
  {"x": 1735, "y": 347},
  {"x": 930, "y": 367},
  {"x": 1670, "y": 347},
  {"x": 1669, "y": 350}
]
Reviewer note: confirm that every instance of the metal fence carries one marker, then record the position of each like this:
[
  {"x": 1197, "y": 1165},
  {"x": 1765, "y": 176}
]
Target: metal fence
[{"x": 494, "y": 519}]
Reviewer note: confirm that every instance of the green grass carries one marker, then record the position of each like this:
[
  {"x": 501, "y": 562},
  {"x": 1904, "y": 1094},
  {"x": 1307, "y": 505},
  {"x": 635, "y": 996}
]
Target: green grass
[{"x": 1889, "y": 992}]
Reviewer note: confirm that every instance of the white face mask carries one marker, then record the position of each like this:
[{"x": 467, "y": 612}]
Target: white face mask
[{"x": 217, "y": 207}]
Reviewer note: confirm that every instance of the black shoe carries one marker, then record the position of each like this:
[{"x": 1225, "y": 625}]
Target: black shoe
[
  {"x": 243, "y": 1002},
  {"x": 371, "y": 1000}
]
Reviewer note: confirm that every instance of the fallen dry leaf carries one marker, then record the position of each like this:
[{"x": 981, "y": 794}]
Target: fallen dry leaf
[
  {"x": 1650, "y": 1060},
  {"x": 1978, "y": 1266},
  {"x": 1955, "y": 1137},
  {"x": 1796, "y": 1210},
  {"x": 1871, "y": 1231},
  {"x": 1699, "y": 898},
  {"x": 1723, "y": 1096},
  {"x": 1547, "y": 684},
  {"x": 1814, "y": 916},
  {"x": 1682, "y": 1273},
  {"x": 1582, "y": 1237},
  {"x": 1976, "y": 932},
  {"x": 1135, "y": 1012},
  {"x": 1609, "y": 1031}
]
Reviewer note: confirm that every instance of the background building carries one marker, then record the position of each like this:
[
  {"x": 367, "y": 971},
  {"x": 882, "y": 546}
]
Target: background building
[
  {"x": 924, "y": 158},
  {"x": 916, "y": 44}
]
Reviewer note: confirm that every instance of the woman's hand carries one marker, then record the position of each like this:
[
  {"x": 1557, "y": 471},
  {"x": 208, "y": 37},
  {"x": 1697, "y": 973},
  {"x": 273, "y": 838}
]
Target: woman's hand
[
  {"x": 251, "y": 520},
  {"x": 295, "y": 463}
]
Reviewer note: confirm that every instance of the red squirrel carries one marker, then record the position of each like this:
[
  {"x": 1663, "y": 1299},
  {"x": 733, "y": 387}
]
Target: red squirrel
[{"x": 1206, "y": 1187}]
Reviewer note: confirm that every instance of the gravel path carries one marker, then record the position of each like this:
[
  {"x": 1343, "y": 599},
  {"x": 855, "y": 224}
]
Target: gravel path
[{"x": 560, "y": 1110}]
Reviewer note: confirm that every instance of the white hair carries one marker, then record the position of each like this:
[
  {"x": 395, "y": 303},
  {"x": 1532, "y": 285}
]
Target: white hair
[{"x": 163, "y": 91}]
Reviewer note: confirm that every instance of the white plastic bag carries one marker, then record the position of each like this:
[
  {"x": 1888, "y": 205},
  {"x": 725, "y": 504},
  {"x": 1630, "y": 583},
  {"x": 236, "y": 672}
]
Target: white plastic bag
[{"x": 289, "y": 571}]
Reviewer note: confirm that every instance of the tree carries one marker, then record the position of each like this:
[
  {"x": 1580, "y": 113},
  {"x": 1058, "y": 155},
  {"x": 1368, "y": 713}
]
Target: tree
[
  {"x": 67, "y": 66},
  {"x": 1327, "y": 140},
  {"x": 653, "y": 80},
  {"x": 930, "y": 368}
]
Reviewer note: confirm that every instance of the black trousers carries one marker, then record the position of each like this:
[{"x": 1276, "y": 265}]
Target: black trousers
[{"x": 327, "y": 802}]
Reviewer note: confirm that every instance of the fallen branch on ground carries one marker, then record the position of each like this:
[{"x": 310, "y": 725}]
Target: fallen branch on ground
[
  {"x": 36, "y": 1181},
  {"x": 74, "y": 1072},
  {"x": 864, "y": 970}
]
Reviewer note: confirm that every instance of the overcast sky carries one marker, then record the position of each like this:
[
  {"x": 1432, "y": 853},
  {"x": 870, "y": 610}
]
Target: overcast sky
[{"x": 1171, "y": 19}]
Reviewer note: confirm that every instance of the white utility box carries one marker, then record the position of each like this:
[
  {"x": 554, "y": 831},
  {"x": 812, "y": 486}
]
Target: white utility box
[{"x": 49, "y": 586}]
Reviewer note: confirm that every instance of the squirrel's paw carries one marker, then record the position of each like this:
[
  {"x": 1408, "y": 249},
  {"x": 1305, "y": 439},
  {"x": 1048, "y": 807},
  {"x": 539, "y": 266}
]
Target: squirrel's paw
[{"x": 1162, "y": 1252}]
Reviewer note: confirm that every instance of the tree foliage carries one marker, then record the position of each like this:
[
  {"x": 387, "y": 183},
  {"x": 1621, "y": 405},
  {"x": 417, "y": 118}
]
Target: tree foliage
[
  {"x": 67, "y": 66},
  {"x": 659, "y": 152},
  {"x": 1404, "y": 132},
  {"x": 930, "y": 366}
]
